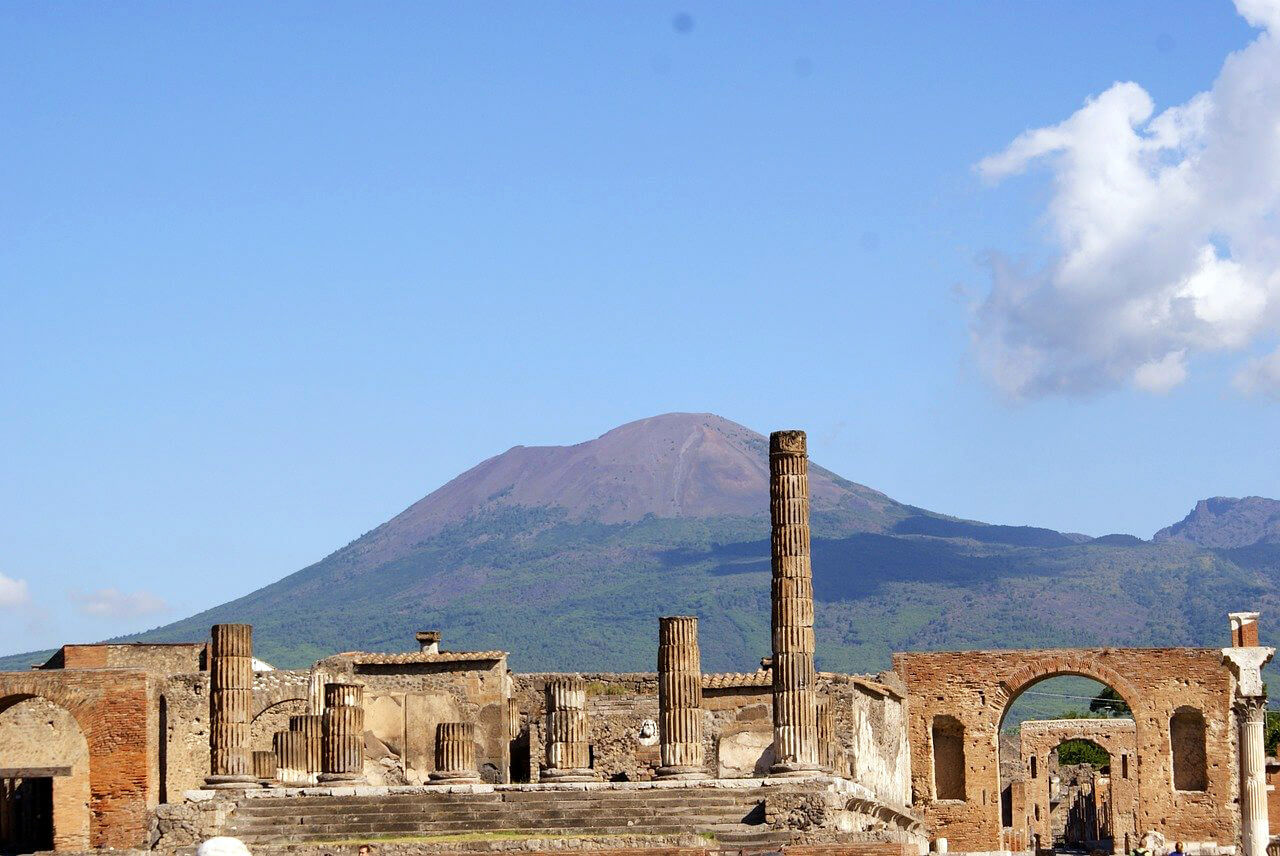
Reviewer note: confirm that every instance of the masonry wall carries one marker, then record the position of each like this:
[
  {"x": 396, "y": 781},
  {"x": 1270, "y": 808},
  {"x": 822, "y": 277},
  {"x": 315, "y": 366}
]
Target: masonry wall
[
  {"x": 111, "y": 708},
  {"x": 977, "y": 688},
  {"x": 36, "y": 732}
]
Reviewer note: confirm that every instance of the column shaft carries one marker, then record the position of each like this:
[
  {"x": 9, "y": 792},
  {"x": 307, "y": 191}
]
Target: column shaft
[
  {"x": 230, "y": 706},
  {"x": 311, "y": 727},
  {"x": 455, "y": 754},
  {"x": 679, "y": 698},
  {"x": 343, "y": 734},
  {"x": 795, "y": 726},
  {"x": 1254, "y": 831},
  {"x": 568, "y": 746}
]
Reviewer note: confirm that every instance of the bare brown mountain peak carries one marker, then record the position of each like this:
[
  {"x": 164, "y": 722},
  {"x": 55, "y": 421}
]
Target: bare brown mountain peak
[
  {"x": 687, "y": 465},
  {"x": 1227, "y": 521}
]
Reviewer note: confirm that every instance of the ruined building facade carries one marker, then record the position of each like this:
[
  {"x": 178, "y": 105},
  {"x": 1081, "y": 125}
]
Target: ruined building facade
[{"x": 104, "y": 745}]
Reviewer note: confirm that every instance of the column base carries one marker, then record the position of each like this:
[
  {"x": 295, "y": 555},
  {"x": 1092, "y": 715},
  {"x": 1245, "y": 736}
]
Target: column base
[
  {"x": 453, "y": 777},
  {"x": 230, "y": 783},
  {"x": 345, "y": 779},
  {"x": 571, "y": 775},
  {"x": 681, "y": 773},
  {"x": 794, "y": 768}
]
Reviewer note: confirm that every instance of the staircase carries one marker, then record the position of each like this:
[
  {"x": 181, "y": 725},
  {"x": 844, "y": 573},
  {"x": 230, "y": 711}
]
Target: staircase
[{"x": 732, "y": 816}]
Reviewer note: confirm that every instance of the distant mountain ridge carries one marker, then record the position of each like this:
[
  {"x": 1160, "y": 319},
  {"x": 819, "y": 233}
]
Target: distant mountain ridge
[
  {"x": 566, "y": 555},
  {"x": 1228, "y": 522}
]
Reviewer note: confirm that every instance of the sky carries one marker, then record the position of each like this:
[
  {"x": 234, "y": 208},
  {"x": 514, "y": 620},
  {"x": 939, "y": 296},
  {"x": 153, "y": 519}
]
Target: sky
[{"x": 269, "y": 273}]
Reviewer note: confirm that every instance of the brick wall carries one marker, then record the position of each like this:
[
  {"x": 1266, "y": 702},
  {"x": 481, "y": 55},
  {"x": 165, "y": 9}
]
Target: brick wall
[
  {"x": 977, "y": 687},
  {"x": 111, "y": 708}
]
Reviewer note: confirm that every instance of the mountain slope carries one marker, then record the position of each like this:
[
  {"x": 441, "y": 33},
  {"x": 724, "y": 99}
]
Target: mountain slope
[
  {"x": 1227, "y": 522},
  {"x": 566, "y": 556}
]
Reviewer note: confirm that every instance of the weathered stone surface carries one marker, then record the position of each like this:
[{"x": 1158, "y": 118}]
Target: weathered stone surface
[
  {"x": 230, "y": 706},
  {"x": 795, "y": 727},
  {"x": 455, "y": 754},
  {"x": 680, "y": 698},
  {"x": 568, "y": 748},
  {"x": 342, "y": 749},
  {"x": 745, "y": 753}
]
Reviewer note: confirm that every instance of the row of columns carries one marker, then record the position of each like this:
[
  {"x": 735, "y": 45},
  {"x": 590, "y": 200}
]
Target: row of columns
[{"x": 329, "y": 748}]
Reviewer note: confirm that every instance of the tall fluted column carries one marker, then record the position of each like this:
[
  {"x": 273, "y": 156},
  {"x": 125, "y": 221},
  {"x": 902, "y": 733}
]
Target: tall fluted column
[
  {"x": 230, "y": 707},
  {"x": 1254, "y": 832},
  {"x": 795, "y": 727},
  {"x": 311, "y": 727},
  {"x": 343, "y": 727},
  {"x": 568, "y": 751},
  {"x": 455, "y": 754},
  {"x": 680, "y": 698},
  {"x": 291, "y": 758}
]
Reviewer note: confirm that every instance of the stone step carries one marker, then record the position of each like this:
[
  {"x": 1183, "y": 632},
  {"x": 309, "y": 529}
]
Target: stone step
[
  {"x": 405, "y": 830},
  {"x": 544, "y": 820}
]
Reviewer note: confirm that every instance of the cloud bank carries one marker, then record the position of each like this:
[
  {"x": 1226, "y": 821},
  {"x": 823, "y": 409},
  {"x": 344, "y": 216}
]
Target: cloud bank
[
  {"x": 113, "y": 603},
  {"x": 13, "y": 593},
  {"x": 1165, "y": 230}
]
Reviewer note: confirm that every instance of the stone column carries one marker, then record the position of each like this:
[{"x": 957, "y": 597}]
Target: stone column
[
  {"x": 230, "y": 707},
  {"x": 455, "y": 754},
  {"x": 264, "y": 766},
  {"x": 513, "y": 719},
  {"x": 1254, "y": 831},
  {"x": 795, "y": 727},
  {"x": 828, "y": 757},
  {"x": 311, "y": 727},
  {"x": 343, "y": 734},
  {"x": 679, "y": 698},
  {"x": 568, "y": 752},
  {"x": 291, "y": 759}
]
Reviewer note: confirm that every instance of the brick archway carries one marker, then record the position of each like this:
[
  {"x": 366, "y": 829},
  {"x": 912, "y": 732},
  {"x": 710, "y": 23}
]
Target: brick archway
[
  {"x": 111, "y": 708},
  {"x": 977, "y": 688}
]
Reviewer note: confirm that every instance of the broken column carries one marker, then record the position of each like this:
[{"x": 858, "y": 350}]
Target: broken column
[
  {"x": 679, "y": 698},
  {"x": 795, "y": 727},
  {"x": 230, "y": 707},
  {"x": 291, "y": 759},
  {"x": 311, "y": 727},
  {"x": 264, "y": 766},
  {"x": 568, "y": 751},
  {"x": 1246, "y": 658},
  {"x": 343, "y": 734},
  {"x": 826, "y": 735},
  {"x": 455, "y": 754}
]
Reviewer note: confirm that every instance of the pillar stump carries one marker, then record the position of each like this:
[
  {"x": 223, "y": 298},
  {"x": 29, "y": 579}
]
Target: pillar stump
[
  {"x": 264, "y": 766},
  {"x": 230, "y": 707},
  {"x": 455, "y": 754},
  {"x": 828, "y": 755},
  {"x": 291, "y": 759},
  {"x": 568, "y": 751},
  {"x": 795, "y": 726},
  {"x": 679, "y": 698},
  {"x": 342, "y": 755},
  {"x": 311, "y": 727}
]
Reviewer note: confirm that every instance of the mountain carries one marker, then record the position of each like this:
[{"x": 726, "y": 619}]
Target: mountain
[
  {"x": 1228, "y": 522},
  {"x": 566, "y": 556}
]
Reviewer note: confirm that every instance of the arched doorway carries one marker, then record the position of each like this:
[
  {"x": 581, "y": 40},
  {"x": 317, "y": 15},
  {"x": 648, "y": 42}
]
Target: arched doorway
[
  {"x": 1067, "y": 752},
  {"x": 44, "y": 777}
]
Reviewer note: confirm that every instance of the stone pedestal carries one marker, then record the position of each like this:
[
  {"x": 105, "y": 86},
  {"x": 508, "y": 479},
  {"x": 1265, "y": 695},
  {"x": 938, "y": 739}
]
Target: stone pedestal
[
  {"x": 679, "y": 698},
  {"x": 311, "y": 727},
  {"x": 795, "y": 726},
  {"x": 230, "y": 707},
  {"x": 568, "y": 749},
  {"x": 342, "y": 755},
  {"x": 291, "y": 759},
  {"x": 455, "y": 754}
]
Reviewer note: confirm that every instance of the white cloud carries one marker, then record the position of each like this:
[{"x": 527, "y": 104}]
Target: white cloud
[
  {"x": 113, "y": 603},
  {"x": 1166, "y": 231},
  {"x": 13, "y": 593}
]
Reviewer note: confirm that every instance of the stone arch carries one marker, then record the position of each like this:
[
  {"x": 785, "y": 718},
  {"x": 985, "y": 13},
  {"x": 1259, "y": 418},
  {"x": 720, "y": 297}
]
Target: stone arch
[
  {"x": 272, "y": 717},
  {"x": 110, "y": 706},
  {"x": 1079, "y": 664},
  {"x": 37, "y": 732}
]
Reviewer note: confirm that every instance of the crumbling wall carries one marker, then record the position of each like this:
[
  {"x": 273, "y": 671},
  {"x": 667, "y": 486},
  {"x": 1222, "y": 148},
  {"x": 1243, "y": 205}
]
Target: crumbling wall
[
  {"x": 186, "y": 705},
  {"x": 977, "y": 687},
  {"x": 871, "y": 730},
  {"x": 36, "y": 732}
]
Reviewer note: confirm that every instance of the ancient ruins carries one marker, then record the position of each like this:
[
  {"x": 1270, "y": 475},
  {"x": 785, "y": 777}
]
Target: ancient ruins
[{"x": 160, "y": 746}]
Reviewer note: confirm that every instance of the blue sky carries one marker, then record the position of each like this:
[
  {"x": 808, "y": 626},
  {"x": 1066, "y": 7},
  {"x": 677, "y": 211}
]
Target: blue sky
[{"x": 270, "y": 273}]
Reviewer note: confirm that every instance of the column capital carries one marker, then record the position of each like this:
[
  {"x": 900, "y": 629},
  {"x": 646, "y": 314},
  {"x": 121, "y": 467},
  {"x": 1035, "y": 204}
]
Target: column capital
[{"x": 1246, "y": 664}]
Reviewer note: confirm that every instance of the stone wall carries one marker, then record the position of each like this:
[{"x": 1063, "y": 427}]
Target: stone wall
[
  {"x": 111, "y": 708},
  {"x": 977, "y": 688},
  {"x": 36, "y": 732}
]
